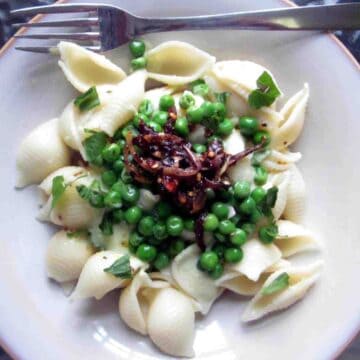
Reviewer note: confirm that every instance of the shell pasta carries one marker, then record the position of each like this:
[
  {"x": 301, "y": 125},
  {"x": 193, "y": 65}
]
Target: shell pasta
[{"x": 173, "y": 194}]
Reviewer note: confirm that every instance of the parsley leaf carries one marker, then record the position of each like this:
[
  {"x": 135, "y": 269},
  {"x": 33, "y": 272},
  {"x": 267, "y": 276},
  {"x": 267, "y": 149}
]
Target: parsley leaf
[
  {"x": 280, "y": 283},
  {"x": 222, "y": 97},
  {"x": 97, "y": 238},
  {"x": 271, "y": 196},
  {"x": 106, "y": 225},
  {"x": 121, "y": 268},
  {"x": 87, "y": 100},
  {"x": 93, "y": 194},
  {"x": 94, "y": 145},
  {"x": 58, "y": 188},
  {"x": 266, "y": 92}
]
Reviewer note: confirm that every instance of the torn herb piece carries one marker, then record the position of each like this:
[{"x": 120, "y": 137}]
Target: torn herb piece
[
  {"x": 57, "y": 189},
  {"x": 266, "y": 92},
  {"x": 121, "y": 268},
  {"x": 106, "y": 225},
  {"x": 87, "y": 100},
  {"x": 222, "y": 97},
  {"x": 94, "y": 145},
  {"x": 280, "y": 283},
  {"x": 271, "y": 196}
]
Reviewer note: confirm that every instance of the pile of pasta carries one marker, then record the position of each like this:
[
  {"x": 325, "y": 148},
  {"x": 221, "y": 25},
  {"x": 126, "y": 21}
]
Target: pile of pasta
[{"x": 163, "y": 304}]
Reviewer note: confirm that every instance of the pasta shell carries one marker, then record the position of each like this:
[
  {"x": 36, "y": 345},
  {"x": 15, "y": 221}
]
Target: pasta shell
[
  {"x": 119, "y": 239},
  {"x": 147, "y": 199},
  {"x": 95, "y": 282},
  {"x": 280, "y": 160},
  {"x": 242, "y": 170},
  {"x": 193, "y": 281},
  {"x": 257, "y": 258},
  {"x": 40, "y": 153},
  {"x": 133, "y": 306},
  {"x": 240, "y": 76},
  {"x": 65, "y": 256},
  {"x": 300, "y": 280},
  {"x": 177, "y": 63},
  {"x": 234, "y": 143},
  {"x": 296, "y": 197},
  {"x": 84, "y": 68},
  {"x": 293, "y": 238},
  {"x": 294, "y": 116},
  {"x": 171, "y": 323}
]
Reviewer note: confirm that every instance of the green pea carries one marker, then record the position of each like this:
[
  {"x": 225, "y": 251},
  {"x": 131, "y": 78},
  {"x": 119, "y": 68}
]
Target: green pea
[
  {"x": 113, "y": 199},
  {"x": 219, "y": 111},
  {"x": 199, "y": 148},
  {"x": 219, "y": 249},
  {"x": 130, "y": 193},
  {"x": 208, "y": 109},
  {"x": 146, "y": 225},
  {"x": 238, "y": 237},
  {"x": 166, "y": 102},
  {"x": 248, "y": 228},
  {"x": 226, "y": 227},
  {"x": 233, "y": 255},
  {"x": 108, "y": 178},
  {"x": 225, "y": 127},
  {"x": 176, "y": 247},
  {"x": 140, "y": 117},
  {"x": 146, "y": 252},
  {"x": 217, "y": 272},
  {"x": 182, "y": 126},
  {"x": 256, "y": 216},
  {"x": 117, "y": 216},
  {"x": 96, "y": 200},
  {"x": 221, "y": 210},
  {"x": 133, "y": 215},
  {"x": 195, "y": 114},
  {"x": 118, "y": 166},
  {"x": 201, "y": 89},
  {"x": 213, "y": 138},
  {"x": 211, "y": 222},
  {"x": 111, "y": 152},
  {"x": 174, "y": 225},
  {"x": 160, "y": 117},
  {"x": 248, "y": 125},
  {"x": 159, "y": 231},
  {"x": 267, "y": 234},
  {"x": 220, "y": 237},
  {"x": 247, "y": 206},
  {"x": 137, "y": 48},
  {"x": 186, "y": 101},
  {"x": 262, "y": 136},
  {"x": 118, "y": 186},
  {"x": 135, "y": 239},
  {"x": 138, "y": 63},
  {"x": 189, "y": 224},
  {"x": 209, "y": 260},
  {"x": 163, "y": 209},
  {"x": 261, "y": 175},
  {"x": 146, "y": 107},
  {"x": 127, "y": 129},
  {"x": 258, "y": 194},
  {"x": 242, "y": 189},
  {"x": 162, "y": 261},
  {"x": 155, "y": 126}
]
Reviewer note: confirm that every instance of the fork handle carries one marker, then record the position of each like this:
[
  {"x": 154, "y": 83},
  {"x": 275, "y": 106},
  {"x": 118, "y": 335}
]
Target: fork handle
[{"x": 325, "y": 17}]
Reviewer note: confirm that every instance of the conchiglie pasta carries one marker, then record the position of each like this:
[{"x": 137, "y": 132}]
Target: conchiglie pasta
[
  {"x": 66, "y": 256},
  {"x": 234, "y": 143},
  {"x": 171, "y": 323},
  {"x": 293, "y": 114},
  {"x": 84, "y": 68},
  {"x": 177, "y": 63},
  {"x": 192, "y": 281},
  {"x": 95, "y": 282},
  {"x": 300, "y": 280},
  {"x": 119, "y": 238},
  {"x": 242, "y": 170},
  {"x": 280, "y": 160},
  {"x": 293, "y": 238},
  {"x": 40, "y": 153}
]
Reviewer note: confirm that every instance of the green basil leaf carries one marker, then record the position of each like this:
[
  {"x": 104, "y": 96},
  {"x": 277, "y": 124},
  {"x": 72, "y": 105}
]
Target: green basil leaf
[
  {"x": 121, "y": 268},
  {"x": 222, "y": 97},
  {"x": 87, "y": 100},
  {"x": 266, "y": 92},
  {"x": 280, "y": 283},
  {"x": 58, "y": 188},
  {"x": 94, "y": 145},
  {"x": 271, "y": 196}
]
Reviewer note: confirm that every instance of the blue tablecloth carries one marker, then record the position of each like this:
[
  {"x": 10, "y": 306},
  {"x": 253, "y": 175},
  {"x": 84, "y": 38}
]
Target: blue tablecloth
[{"x": 351, "y": 39}]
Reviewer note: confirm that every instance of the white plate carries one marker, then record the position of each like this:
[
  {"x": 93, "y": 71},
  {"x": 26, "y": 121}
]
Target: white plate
[{"x": 38, "y": 322}]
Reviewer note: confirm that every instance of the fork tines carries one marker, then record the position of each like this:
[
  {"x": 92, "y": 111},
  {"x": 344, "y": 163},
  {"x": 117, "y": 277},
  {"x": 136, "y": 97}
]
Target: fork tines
[{"x": 53, "y": 9}]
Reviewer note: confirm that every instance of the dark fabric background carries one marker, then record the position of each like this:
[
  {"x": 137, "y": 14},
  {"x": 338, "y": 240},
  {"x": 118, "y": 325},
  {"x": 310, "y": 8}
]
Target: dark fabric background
[{"x": 351, "y": 39}]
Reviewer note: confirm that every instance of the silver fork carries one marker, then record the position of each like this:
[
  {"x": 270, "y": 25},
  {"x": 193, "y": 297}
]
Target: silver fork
[{"x": 113, "y": 26}]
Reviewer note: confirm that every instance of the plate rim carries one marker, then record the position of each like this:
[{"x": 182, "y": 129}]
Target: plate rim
[{"x": 6, "y": 346}]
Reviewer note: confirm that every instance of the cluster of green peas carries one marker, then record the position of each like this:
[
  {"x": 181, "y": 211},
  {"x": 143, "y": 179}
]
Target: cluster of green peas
[{"x": 137, "y": 49}]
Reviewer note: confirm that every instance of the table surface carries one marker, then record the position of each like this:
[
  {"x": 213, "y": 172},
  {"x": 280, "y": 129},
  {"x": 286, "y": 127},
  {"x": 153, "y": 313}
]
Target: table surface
[{"x": 351, "y": 40}]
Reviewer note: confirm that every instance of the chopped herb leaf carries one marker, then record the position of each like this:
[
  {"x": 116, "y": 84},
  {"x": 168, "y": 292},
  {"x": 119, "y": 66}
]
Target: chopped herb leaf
[
  {"x": 121, "y": 268},
  {"x": 222, "y": 97},
  {"x": 271, "y": 196},
  {"x": 196, "y": 83},
  {"x": 88, "y": 100},
  {"x": 280, "y": 283},
  {"x": 93, "y": 194},
  {"x": 58, "y": 188},
  {"x": 94, "y": 145},
  {"x": 106, "y": 225},
  {"x": 97, "y": 238},
  {"x": 266, "y": 92},
  {"x": 259, "y": 156},
  {"x": 77, "y": 233}
]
